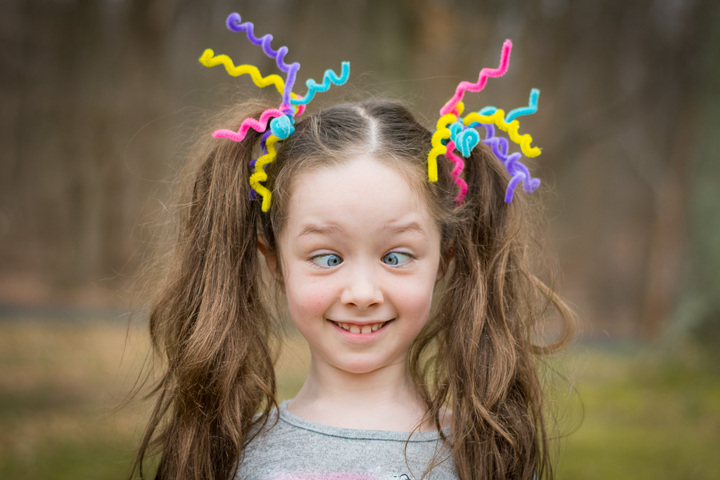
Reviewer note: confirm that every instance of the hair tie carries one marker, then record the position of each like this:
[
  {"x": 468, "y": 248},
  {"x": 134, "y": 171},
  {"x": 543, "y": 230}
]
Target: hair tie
[
  {"x": 275, "y": 124},
  {"x": 453, "y": 132}
]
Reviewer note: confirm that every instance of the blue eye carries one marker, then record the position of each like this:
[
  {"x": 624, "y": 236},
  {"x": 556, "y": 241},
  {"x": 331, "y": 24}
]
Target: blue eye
[
  {"x": 327, "y": 260},
  {"x": 396, "y": 258}
]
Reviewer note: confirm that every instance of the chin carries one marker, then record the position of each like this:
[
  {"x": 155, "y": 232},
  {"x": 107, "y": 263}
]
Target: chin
[{"x": 361, "y": 366}]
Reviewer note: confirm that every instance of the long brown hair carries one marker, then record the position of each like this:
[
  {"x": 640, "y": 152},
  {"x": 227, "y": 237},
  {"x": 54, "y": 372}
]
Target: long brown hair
[{"x": 214, "y": 330}]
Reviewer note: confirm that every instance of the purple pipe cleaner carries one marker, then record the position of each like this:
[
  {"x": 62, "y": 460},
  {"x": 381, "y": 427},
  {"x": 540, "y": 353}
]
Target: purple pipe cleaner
[
  {"x": 263, "y": 142},
  {"x": 233, "y": 24},
  {"x": 517, "y": 169}
]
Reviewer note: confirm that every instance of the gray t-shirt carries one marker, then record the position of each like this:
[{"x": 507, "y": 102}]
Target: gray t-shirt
[{"x": 298, "y": 449}]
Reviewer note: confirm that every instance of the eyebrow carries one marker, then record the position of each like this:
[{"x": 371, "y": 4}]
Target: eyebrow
[
  {"x": 407, "y": 227},
  {"x": 314, "y": 229}
]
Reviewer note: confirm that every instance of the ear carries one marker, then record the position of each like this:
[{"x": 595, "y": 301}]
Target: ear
[
  {"x": 270, "y": 258},
  {"x": 442, "y": 268}
]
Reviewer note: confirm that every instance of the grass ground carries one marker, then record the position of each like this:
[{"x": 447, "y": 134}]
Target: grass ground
[
  {"x": 637, "y": 412},
  {"x": 646, "y": 414}
]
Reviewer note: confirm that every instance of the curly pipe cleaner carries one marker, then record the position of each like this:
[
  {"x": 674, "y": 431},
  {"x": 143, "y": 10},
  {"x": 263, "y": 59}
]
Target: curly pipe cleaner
[
  {"x": 518, "y": 170},
  {"x": 263, "y": 148},
  {"x": 485, "y": 73},
  {"x": 282, "y": 127},
  {"x": 252, "y": 194},
  {"x": 456, "y": 171},
  {"x": 263, "y": 145},
  {"x": 264, "y": 192},
  {"x": 442, "y": 132},
  {"x": 328, "y": 78},
  {"x": 257, "y": 125},
  {"x": 511, "y": 128},
  {"x": 531, "y": 108},
  {"x": 209, "y": 59},
  {"x": 259, "y": 175},
  {"x": 520, "y": 173},
  {"x": 234, "y": 24},
  {"x": 465, "y": 139}
]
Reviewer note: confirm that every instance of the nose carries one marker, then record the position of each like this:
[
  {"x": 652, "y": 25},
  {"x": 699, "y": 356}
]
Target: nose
[{"x": 362, "y": 290}]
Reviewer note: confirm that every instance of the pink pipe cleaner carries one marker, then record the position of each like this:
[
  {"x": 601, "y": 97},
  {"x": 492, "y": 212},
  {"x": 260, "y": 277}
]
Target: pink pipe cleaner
[
  {"x": 248, "y": 123},
  {"x": 485, "y": 73},
  {"x": 456, "y": 171}
]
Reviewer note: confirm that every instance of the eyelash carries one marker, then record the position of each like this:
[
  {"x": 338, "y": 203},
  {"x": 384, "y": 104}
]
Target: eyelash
[
  {"x": 317, "y": 259},
  {"x": 400, "y": 263},
  {"x": 314, "y": 260}
]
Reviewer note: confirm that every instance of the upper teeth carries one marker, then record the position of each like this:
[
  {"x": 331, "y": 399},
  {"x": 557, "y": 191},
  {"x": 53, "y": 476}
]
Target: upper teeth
[{"x": 352, "y": 328}]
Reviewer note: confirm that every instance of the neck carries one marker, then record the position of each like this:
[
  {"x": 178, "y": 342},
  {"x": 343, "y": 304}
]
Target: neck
[{"x": 384, "y": 399}]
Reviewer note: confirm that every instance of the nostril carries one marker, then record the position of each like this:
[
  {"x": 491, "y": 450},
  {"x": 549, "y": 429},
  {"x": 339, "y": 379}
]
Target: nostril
[
  {"x": 362, "y": 297},
  {"x": 361, "y": 290}
]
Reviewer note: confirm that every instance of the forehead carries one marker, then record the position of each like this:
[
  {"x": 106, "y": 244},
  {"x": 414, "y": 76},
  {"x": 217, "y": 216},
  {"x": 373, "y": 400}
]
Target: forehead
[{"x": 363, "y": 191}]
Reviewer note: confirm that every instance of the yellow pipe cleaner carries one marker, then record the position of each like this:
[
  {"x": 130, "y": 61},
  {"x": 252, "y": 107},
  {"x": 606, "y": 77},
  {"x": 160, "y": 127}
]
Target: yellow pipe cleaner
[
  {"x": 498, "y": 118},
  {"x": 209, "y": 59},
  {"x": 259, "y": 175},
  {"x": 442, "y": 132}
]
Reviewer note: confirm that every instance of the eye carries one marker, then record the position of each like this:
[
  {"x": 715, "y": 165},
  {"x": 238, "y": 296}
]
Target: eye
[
  {"x": 327, "y": 260},
  {"x": 396, "y": 258}
]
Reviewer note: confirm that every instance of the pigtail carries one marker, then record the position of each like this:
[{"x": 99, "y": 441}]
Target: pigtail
[
  {"x": 210, "y": 326},
  {"x": 485, "y": 341},
  {"x": 483, "y": 365}
]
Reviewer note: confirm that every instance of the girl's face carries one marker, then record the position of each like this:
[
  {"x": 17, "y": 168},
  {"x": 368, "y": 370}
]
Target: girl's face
[{"x": 360, "y": 257}]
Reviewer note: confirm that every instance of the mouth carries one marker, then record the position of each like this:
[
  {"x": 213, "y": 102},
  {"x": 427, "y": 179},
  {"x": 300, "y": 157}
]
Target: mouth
[{"x": 361, "y": 329}]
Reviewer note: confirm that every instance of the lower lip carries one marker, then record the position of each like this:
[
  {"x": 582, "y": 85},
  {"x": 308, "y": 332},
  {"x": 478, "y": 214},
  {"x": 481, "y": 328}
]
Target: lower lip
[{"x": 360, "y": 337}]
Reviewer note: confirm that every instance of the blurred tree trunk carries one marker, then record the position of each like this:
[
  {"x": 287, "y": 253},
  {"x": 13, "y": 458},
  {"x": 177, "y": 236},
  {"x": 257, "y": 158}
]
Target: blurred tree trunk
[
  {"x": 81, "y": 42},
  {"x": 666, "y": 248},
  {"x": 698, "y": 309},
  {"x": 677, "y": 139}
]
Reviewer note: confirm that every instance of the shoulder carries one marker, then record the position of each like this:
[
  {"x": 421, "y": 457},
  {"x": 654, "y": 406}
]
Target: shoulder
[
  {"x": 303, "y": 450},
  {"x": 268, "y": 435}
]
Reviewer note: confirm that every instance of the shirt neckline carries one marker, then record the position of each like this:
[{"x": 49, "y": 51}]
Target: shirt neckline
[{"x": 357, "y": 434}]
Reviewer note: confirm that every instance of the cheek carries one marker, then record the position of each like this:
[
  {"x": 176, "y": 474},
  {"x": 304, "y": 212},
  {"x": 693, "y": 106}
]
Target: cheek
[
  {"x": 414, "y": 298},
  {"x": 306, "y": 299}
]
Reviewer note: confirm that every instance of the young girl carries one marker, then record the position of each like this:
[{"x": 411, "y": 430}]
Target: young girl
[{"x": 419, "y": 308}]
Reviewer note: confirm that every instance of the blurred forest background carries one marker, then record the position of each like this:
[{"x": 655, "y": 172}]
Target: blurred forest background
[{"x": 101, "y": 99}]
